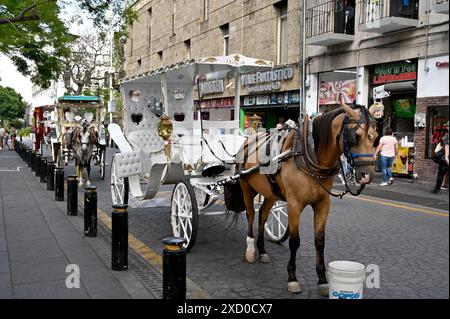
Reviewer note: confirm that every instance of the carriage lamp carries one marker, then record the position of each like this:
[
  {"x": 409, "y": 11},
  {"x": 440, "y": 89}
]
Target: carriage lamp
[{"x": 165, "y": 128}]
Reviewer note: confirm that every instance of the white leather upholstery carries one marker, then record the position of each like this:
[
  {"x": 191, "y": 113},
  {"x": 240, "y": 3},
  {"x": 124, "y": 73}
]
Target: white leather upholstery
[
  {"x": 129, "y": 164},
  {"x": 147, "y": 141}
]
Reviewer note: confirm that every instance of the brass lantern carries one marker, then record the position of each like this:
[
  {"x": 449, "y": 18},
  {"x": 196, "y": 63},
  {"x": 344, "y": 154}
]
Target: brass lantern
[{"x": 165, "y": 129}]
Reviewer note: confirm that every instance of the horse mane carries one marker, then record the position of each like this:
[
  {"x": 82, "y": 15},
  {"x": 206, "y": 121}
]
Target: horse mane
[
  {"x": 322, "y": 126},
  {"x": 321, "y": 129}
]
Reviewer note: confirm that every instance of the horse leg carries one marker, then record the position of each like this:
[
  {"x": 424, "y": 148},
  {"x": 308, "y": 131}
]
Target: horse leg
[
  {"x": 249, "y": 196},
  {"x": 294, "y": 244},
  {"x": 88, "y": 169},
  {"x": 262, "y": 218},
  {"x": 321, "y": 210}
]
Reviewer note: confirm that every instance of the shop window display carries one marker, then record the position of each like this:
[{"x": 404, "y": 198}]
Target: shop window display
[{"x": 437, "y": 116}]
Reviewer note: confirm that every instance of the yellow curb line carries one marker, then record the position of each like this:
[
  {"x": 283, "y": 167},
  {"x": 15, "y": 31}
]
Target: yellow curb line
[
  {"x": 154, "y": 259},
  {"x": 406, "y": 207}
]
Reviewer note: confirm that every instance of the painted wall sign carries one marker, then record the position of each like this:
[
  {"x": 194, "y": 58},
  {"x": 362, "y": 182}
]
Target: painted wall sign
[
  {"x": 394, "y": 72},
  {"x": 226, "y": 102},
  {"x": 329, "y": 91},
  {"x": 442, "y": 64},
  {"x": 268, "y": 80},
  {"x": 211, "y": 87}
]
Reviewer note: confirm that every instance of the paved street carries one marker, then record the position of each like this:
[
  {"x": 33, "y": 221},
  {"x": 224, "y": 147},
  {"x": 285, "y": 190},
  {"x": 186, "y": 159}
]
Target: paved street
[{"x": 409, "y": 242}]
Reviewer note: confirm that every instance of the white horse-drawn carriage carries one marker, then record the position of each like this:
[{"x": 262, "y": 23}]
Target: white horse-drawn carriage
[
  {"x": 70, "y": 113},
  {"x": 193, "y": 154}
]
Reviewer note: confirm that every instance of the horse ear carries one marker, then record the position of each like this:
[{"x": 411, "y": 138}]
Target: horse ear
[{"x": 351, "y": 112}]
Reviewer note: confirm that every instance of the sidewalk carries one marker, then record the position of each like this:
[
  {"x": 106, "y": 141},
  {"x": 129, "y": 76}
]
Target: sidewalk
[
  {"x": 38, "y": 241},
  {"x": 403, "y": 190}
]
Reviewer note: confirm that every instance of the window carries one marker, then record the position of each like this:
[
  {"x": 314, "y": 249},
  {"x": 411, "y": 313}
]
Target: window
[
  {"x": 187, "y": 49},
  {"x": 173, "y": 16},
  {"x": 160, "y": 57},
  {"x": 226, "y": 38},
  {"x": 205, "y": 10},
  {"x": 282, "y": 37},
  {"x": 149, "y": 37},
  {"x": 437, "y": 116}
]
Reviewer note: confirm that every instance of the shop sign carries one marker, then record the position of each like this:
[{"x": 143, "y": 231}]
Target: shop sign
[
  {"x": 394, "y": 72},
  {"x": 226, "y": 102},
  {"x": 442, "y": 64},
  {"x": 262, "y": 100},
  {"x": 268, "y": 80},
  {"x": 249, "y": 100},
  {"x": 330, "y": 91},
  {"x": 211, "y": 87},
  {"x": 178, "y": 94},
  {"x": 294, "y": 97}
]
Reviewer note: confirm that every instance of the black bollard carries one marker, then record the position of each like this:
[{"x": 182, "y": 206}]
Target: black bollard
[
  {"x": 43, "y": 172},
  {"x": 72, "y": 195},
  {"x": 50, "y": 176},
  {"x": 174, "y": 269},
  {"x": 37, "y": 165},
  {"x": 29, "y": 157},
  {"x": 90, "y": 211},
  {"x": 119, "y": 253},
  {"x": 59, "y": 184},
  {"x": 32, "y": 160}
]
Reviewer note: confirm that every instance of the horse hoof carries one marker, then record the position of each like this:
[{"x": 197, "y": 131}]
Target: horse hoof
[
  {"x": 324, "y": 290},
  {"x": 250, "y": 257},
  {"x": 294, "y": 287},
  {"x": 264, "y": 258}
]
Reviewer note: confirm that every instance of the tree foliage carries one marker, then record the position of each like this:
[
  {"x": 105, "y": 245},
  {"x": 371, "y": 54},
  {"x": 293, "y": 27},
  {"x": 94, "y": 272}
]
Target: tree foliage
[
  {"x": 34, "y": 38},
  {"x": 12, "y": 105}
]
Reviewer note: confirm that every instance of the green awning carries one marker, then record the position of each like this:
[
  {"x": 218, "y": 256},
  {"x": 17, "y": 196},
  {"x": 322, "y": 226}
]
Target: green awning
[{"x": 78, "y": 98}]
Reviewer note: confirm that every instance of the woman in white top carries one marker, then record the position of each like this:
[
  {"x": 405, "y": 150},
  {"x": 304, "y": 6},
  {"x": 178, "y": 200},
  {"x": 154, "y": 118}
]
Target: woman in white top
[{"x": 388, "y": 149}]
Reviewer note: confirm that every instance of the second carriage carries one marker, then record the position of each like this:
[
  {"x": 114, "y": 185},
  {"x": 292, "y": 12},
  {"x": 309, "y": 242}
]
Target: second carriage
[
  {"x": 166, "y": 141},
  {"x": 70, "y": 112}
]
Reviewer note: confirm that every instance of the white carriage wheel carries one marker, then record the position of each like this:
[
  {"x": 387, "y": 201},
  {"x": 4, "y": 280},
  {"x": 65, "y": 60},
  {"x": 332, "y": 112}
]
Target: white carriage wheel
[
  {"x": 119, "y": 186},
  {"x": 184, "y": 213},
  {"x": 276, "y": 226}
]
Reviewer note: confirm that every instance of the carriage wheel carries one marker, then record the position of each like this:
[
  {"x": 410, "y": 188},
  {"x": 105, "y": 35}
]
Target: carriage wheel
[
  {"x": 184, "y": 213},
  {"x": 102, "y": 162},
  {"x": 276, "y": 226},
  {"x": 119, "y": 186}
]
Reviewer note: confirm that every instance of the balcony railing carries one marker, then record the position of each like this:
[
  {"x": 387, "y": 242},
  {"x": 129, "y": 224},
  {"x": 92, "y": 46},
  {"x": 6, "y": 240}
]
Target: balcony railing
[
  {"x": 373, "y": 10},
  {"x": 330, "y": 17}
]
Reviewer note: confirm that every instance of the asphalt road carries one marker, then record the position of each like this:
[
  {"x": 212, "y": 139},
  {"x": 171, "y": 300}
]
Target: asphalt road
[{"x": 410, "y": 247}]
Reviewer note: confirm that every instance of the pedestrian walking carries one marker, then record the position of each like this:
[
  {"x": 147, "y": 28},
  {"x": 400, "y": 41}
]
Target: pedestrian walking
[
  {"x": 6, "y": 140},
  {"x": 442, "y": 159},
  {"x": 388, "y": 150},
  {"x": 2, "y": 134},
  {"x": 13, "y": 136}
]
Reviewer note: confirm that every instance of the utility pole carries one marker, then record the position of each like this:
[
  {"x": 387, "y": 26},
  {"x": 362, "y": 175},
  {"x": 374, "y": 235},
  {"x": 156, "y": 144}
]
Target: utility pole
[
  {"x": 111, "y": 106},
  {"x": 302, "y": 62}
]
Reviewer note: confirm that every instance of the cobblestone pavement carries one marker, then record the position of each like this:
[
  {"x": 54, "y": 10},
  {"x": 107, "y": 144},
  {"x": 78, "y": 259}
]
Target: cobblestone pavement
[{"x": 411, "y": 248}]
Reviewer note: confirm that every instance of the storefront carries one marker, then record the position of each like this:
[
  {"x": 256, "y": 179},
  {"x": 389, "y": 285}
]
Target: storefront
[
  {"x": 332, "y": 84},
  {"x": 432, "y": 114},
  {"x": 273, "y": 95},
  {"x": 213, "y": 107},
  {"x": 394, "y": 84}
]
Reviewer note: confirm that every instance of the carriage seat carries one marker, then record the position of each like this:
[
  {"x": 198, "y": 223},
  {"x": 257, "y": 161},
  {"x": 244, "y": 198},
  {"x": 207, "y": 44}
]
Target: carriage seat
[{"x": 146, "y": 141}]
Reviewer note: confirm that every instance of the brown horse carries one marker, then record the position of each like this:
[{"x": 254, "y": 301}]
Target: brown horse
[
  {"x": 300, "y": 189},
  {"x": 83, "y": 141}
]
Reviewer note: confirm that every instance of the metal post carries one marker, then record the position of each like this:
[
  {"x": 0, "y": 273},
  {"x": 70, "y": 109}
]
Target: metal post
[
  {"x": 174, "y": 269},
  {"x": 90, "y": 211},
  {"x": 28, "y": 157},
  {"x": 32, "y": 160},
  {"x": 72, "y": 195},
  {"x": 37, "y": 165},
  {"x": 59, "y": 184},
  {"x": 50, "y": 176},
  {"x": 119, "y": 254},
  {"x": 43, "y": 172}
]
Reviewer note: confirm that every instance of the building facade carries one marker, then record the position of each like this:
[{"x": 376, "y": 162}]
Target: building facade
[{"x": 370, "y": 50}]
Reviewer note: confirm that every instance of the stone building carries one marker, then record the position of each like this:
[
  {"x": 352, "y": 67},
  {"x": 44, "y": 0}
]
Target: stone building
[{"x": 393, "y": 51}]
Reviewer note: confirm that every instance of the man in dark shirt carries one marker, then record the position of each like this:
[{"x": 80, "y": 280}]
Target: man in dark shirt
[{"x": 349, "y": 17}]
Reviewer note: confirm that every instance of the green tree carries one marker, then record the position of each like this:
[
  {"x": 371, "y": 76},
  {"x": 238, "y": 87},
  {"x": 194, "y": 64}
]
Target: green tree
[
  {"x": 12, "y": 105},
  {"x": 34, "y": 38}
]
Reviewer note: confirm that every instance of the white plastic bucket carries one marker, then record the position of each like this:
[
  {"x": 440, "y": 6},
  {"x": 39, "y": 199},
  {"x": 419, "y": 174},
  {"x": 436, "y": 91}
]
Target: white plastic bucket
[{"x": 346, "y": 279}]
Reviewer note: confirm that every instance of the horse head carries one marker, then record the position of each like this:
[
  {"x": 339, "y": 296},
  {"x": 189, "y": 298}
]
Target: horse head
[{"x": 358, "y": 134}]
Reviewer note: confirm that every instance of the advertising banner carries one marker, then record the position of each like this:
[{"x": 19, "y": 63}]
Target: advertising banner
[{"x": 329, "y": 92}]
